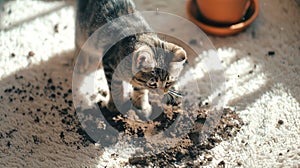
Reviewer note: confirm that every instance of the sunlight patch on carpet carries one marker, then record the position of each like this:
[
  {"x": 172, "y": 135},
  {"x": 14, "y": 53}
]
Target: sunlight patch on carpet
[{"x": 36, "y": 40}]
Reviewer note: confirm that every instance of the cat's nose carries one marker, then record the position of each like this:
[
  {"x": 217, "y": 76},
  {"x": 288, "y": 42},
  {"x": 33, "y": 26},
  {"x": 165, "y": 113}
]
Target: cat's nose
[{"x": 160, "y": 91}]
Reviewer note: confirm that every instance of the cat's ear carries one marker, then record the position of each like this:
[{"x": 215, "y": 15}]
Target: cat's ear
[
  {"x": 178, "y": 59},
  {"x": 143, "y": 58},
  {"x": 179, "y": 55}
]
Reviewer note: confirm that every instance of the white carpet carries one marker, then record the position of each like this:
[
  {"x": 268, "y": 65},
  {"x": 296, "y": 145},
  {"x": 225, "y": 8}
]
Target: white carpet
[{"x": 262, "y": 67}]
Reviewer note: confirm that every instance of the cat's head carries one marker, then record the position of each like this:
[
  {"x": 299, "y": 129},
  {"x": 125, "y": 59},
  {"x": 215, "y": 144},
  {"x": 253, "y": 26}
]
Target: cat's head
[{"x": 157, "y": 66}]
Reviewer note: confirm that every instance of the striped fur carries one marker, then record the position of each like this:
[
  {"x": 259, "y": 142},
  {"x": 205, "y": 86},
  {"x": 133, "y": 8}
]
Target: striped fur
[{"x": 148, "y": 63}]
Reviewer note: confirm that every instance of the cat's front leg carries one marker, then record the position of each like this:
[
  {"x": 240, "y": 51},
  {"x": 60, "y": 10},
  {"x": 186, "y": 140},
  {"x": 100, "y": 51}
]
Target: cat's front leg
[{"x": 141, "y": 101}]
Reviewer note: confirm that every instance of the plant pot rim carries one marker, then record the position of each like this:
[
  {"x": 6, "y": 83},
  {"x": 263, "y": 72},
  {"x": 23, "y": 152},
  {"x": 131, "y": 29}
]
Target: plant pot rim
[{"x": 224, "y": 30}]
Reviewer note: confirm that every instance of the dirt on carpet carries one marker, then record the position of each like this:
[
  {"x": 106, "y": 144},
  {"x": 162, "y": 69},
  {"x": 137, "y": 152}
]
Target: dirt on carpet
[{"x": 181, "y": 131}]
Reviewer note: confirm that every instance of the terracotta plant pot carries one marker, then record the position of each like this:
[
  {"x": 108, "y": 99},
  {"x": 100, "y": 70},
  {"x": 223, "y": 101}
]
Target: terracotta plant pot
[
  {"x": 221, "y": 29},
  {"x": 223, "y": 11}
]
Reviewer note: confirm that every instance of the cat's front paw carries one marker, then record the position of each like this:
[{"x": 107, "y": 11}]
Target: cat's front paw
[{"x": 145, "y": 112}]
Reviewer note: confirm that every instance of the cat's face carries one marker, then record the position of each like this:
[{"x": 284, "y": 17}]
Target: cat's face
[
  {"x": 156, "y": 80},
  {"x": 157, "y": 68}
]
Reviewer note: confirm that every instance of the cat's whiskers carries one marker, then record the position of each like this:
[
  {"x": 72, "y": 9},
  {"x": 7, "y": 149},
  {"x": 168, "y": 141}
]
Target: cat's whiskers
[{"x": 174, "y": 93}]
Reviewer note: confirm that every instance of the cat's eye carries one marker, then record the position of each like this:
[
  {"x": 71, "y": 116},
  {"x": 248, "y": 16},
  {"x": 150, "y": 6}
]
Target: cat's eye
[
  {"x": 152, "y": 83},
  {"x": 168, "y": 84}
]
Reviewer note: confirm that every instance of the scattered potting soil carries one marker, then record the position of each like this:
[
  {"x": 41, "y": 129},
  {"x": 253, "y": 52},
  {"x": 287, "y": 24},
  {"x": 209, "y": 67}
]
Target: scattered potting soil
[{"x": 181, "y": 127}]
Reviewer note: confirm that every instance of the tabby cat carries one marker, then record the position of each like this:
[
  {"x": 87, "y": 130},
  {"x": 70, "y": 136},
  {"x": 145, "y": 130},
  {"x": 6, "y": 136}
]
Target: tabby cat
[{"x": 153, "y": 66}]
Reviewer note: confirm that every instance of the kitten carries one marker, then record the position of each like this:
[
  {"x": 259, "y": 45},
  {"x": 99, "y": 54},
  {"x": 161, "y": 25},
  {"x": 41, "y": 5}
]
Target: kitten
[{"x": 149, "y": 64}]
